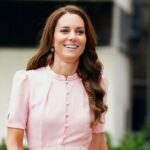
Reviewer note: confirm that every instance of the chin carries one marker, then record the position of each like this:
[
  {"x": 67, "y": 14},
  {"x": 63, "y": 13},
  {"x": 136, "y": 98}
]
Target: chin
[{"x": 71, "y": 58}]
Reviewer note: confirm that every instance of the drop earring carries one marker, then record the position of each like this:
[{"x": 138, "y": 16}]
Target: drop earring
[{"x": 52, "y": 49}]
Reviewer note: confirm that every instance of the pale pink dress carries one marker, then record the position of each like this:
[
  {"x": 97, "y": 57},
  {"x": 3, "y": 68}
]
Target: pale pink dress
[{"x": 53, "y": 110}]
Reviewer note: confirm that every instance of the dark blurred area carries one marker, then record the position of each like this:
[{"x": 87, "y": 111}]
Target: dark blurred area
[
  {"x": 21, "y": 21},
  {"x": 139, "y": 44}
]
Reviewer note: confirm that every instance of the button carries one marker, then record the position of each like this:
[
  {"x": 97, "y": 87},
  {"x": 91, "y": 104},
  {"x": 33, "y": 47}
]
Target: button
[
  {"x": 66, "y": 125},
  {"x": 67, "y": 102},
  {"x": 67, "y": 114},
  {"x": 64, "y": 136},
  {"x": 67, "y": 82}
]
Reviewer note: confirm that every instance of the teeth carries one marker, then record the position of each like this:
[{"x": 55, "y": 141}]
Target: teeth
[{"x": 70, "y": 46}]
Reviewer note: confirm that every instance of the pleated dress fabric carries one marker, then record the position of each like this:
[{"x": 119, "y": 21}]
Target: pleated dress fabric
[{"x": 52, "y": 109}]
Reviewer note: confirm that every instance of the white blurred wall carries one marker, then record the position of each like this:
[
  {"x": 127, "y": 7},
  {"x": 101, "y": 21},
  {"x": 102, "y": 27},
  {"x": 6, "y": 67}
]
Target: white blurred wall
[
  {"x": 117, "y": 72},
  {"x": 124, "y": 4}
]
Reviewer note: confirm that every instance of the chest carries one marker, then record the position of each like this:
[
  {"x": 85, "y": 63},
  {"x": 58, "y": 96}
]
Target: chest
[{"x": 56, "y": 102}]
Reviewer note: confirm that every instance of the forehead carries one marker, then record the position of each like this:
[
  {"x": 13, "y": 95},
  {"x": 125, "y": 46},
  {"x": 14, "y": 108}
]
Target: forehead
[{"x": 72, "y": 20}]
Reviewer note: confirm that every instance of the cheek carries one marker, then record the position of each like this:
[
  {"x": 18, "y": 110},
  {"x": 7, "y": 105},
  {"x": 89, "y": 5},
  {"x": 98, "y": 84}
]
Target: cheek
[{"x": 57, "y": 39}]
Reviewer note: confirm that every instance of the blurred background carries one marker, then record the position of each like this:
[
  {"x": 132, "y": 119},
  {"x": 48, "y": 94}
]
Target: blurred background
[{"x": 123, "y": 35}]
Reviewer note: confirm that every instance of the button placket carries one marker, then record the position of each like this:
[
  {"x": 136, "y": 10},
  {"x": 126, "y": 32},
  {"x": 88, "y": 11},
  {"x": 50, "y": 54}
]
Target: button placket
[{"x": 67, "y": 110}]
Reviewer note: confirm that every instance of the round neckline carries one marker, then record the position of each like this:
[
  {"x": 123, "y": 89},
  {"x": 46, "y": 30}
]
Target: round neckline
[{"x": 60, "y": 76}]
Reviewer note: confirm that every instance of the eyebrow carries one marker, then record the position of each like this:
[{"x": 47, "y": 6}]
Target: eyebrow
[{"x": 66, "y": 27}]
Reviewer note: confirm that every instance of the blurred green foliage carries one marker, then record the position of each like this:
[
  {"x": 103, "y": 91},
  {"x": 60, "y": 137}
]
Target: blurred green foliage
[
  {"x": 3, "y": 146},
  {"x": 138, "y": 141}
]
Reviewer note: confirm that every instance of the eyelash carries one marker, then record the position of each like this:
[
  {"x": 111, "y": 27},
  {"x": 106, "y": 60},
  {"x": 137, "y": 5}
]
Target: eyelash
[
  {"x": 66, "y": 31},
  {"x": 80, "y": 32}
]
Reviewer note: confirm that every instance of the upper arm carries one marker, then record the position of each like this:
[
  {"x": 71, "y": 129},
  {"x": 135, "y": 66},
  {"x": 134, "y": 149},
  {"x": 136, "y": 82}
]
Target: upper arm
[
  {"x": 98, "y": 142},
  {"x": 98, "y": 137},
  {"x": 19, "y": 97},
  {"x": 15, "y": 138},
  {"x": 18, "y": 111}
]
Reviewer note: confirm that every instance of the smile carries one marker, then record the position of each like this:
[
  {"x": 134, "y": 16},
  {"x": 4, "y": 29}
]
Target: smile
[{"x": 71, "y": 46}]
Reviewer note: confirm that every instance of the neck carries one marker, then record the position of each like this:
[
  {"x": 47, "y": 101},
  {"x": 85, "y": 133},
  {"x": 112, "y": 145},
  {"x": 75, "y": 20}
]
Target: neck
[{"x": 64, "y": 68}]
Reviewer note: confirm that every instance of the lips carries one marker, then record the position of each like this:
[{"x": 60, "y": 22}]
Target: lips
[{"x": 72, "y": 46}]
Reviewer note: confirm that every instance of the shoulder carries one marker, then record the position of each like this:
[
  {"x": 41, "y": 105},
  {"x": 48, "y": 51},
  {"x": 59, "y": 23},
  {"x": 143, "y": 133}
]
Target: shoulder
[
  {"x": 26, "y": 75},
  {"x": 40, "y": 72},
  {"x": 20, "y": 76}
]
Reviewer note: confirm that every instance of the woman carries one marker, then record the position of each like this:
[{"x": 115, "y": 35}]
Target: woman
[{"x": 59, "y": 99}]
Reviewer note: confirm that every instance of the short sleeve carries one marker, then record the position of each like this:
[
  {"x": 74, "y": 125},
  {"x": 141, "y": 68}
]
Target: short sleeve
[
  {"x": 101, "y": 126},
  {"x": 19, "y": 97}
]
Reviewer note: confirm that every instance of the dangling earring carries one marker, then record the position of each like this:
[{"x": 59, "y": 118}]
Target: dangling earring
[{"x": 52, "y": 49}]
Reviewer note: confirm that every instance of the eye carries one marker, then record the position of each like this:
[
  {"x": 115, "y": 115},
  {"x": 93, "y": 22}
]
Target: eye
[
  {"x": 80, "y": 32},
  {"x": 64, "y": 30}
]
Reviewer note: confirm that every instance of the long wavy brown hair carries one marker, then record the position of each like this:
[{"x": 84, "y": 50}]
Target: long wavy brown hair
[{"x": 89, "y": 68}]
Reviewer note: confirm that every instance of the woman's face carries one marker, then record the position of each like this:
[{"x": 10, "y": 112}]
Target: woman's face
[{"x": 69, "y": 38}]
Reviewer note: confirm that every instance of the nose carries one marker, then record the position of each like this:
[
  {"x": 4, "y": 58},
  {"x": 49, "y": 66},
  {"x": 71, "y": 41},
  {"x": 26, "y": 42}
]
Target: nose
[{"x": 72, "y": 36}]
